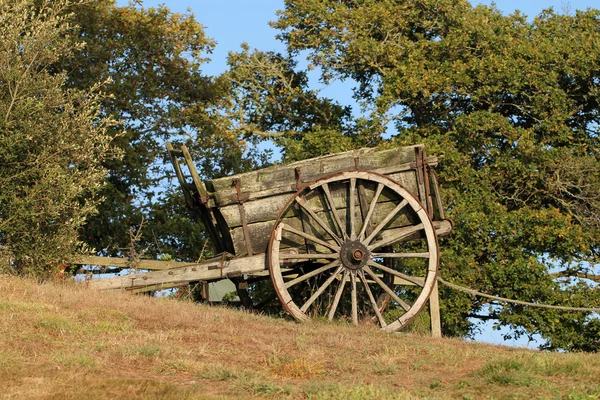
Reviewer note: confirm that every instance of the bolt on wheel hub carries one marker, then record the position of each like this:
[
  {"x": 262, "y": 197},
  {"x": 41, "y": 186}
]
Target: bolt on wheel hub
[{"x": 354, "y": 255}]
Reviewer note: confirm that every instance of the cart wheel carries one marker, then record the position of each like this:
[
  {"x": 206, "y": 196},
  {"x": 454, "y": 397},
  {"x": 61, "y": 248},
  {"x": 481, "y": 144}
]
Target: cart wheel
[{"x": 351, "y": 242}]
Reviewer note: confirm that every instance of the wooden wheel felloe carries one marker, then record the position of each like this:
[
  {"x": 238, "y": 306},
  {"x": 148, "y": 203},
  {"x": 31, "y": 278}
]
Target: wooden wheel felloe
[{"x": 361, "y": 237}]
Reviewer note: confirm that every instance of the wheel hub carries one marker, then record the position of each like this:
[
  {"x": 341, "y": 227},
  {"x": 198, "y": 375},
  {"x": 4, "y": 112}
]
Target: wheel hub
[{"x": 354, "y": 254}]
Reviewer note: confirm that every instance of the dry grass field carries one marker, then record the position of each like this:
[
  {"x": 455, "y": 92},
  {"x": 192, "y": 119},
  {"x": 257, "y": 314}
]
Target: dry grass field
[{"x": 63, "y": 341}]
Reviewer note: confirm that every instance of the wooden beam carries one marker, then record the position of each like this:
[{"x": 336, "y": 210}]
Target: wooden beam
[
  {"x": 205, "y": 271},
  {"x": 122, "y": 262},
  {"x": 434, "y": 312},
  {"x": 162, "y": 286}
]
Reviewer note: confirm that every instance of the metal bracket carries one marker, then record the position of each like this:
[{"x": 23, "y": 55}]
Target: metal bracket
[{"x": 299, "y": 183}]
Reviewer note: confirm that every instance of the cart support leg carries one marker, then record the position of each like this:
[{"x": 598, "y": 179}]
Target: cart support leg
[{"x": 434, "y": 312}]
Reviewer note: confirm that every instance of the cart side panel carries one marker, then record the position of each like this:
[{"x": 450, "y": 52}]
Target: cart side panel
[
  {"x": 262, "y": 210},
  {"x": 261, "y": 231},
  {"x": 261, "y": 214},
  {"x": 260, "y": 196},
  {"x": 281, "y": 177}
]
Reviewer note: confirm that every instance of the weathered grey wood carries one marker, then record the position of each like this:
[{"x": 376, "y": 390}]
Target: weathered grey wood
[
  {"x": 268, "y": 209},
  {"x": 434, "y": 312},
  {"x": 206, "y": 271},
  {"x": 193, "y": 172},
  {"x": 420, "y": 226},
  {"x": 173, "y": 154},
  {"x": 126, "y": 263},
  {"x": 438, "y": 208},
  {"x": 158, "y": 287},
  {"x": 260, "y": 233},
  {"x": 315, "y": 224},
  {"x": 421, "y": 179},
  {"x": 266, "y": 178},
  {"x": 226, "y": 196},
  {"x": 372, "y": 300}
]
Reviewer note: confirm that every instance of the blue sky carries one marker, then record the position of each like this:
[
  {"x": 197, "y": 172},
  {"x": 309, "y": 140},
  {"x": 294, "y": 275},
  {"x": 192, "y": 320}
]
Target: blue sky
[{"x": 233, "y": 22}]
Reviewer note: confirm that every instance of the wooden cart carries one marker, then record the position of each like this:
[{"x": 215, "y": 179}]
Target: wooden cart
[{"x": 351, "y": 235}]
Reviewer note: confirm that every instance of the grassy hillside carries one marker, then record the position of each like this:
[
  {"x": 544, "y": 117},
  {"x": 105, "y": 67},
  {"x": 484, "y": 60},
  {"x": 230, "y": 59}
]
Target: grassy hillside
[{"x": 62, "y": 341}]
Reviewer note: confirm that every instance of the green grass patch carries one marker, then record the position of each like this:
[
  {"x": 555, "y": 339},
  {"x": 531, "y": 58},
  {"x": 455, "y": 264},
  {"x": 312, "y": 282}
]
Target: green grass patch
[
  {"x": 337, "y": 391},
  {"x": 22, "y": 306},
  {"x": 55, "y": 324},
  {"x": 258, "y": 386},
  {"x": 215, "y": 372},
  {"x": 507, "y": 372},
  {"x": 550, "y": 365}
]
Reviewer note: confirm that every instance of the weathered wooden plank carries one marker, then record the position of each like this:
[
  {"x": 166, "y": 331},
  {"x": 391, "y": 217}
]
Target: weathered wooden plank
[
  {"x": 225, "y": 195},
  {"x": 268, "y": 209},
  {"x": 438, "y": 208},
  {"x": 266, "y": 178},
  {"x": 126, "y": 263},
  {"x": 206, "y": 271},
  {"x": 173, "y": 154},
  {"x": 279, "y": 174},
  {"x": 434, "y": 312},
  {"x": 161, "y": 286}
]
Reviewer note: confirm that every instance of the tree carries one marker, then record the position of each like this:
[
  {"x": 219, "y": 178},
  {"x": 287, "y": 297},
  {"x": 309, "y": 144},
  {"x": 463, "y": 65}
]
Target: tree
[
  {"x": 511, "y": 109},
  {"x": 152, "y": 60},
  {"x": 272, "y": 99},
  {"x": 53, "y": 140}
]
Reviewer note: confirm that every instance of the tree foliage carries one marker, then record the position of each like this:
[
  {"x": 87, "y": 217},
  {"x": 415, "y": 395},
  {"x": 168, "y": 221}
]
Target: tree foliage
[
  {"x": 509, "y": 105},
  {"x": 152, "y": 59},
  {"x": 511, "y": 108},
  {"x": 53, "y": 140}
]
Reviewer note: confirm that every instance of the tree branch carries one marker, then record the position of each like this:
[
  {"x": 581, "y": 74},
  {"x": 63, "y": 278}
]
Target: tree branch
[{"x": 582, "y": 275}]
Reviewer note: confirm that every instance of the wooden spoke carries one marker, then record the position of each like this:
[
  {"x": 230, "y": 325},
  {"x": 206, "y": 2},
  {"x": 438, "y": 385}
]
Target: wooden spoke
[
  {"x": 372, "y": 299},
  {"x": 400, "y": 255},
  {"x": 351, "y": 211},
  {"x": 336, "y": 216},
  {"x": 367, "y": 220},
  {"x": 336, "y": 285},
  {"x": 303, "y": 256},
  {"x": 317, "y": 271},
  {"x": 397, "y": 236},
  {"x": 412, "y": 279},
  {"x": 317, "y": 219},
  {"x": 386, "y": 288},
  {"x": 321, "y": 289},
  {"x": 385, "y": 221},
  {"x": 309, "y": 237},
  {"x": 338, "y": 296},
  {"x": 354, "y": 300}
]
